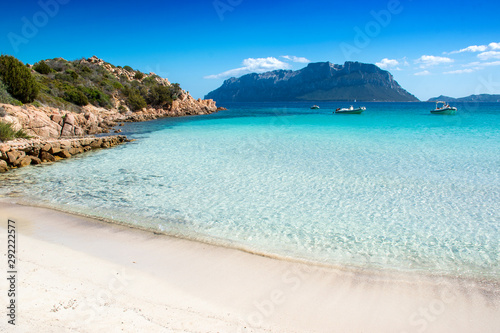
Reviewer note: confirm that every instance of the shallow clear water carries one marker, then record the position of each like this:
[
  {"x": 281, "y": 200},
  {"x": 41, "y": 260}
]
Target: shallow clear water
[{"x": 395, "y": 187}]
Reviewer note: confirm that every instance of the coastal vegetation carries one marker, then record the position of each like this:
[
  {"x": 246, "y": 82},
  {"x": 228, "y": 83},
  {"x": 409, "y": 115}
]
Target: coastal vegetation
[
  {"x": 18, "y": 80},
  {"x": 8, "y": 133},
  {"x": 71, "y": 85}
]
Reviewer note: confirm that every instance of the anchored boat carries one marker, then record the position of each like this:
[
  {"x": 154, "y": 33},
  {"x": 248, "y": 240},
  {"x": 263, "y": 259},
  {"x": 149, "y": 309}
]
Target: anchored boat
[
  {"x": 350, "y": 110},
  {"x": 314, "y": 107},
  {"x": 443, "y": 108}
]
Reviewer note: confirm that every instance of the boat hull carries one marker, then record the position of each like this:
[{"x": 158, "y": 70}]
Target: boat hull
[
  {"x": 350, "y": 111},
  {"x": 448, "y": 111}
]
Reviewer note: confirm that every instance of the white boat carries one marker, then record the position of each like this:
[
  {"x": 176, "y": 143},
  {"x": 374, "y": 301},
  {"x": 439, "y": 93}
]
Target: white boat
[
  {"x": 350, "y": 110},
  {"x": 444, "y": 108},
  {"x": 314, "y": 107}
]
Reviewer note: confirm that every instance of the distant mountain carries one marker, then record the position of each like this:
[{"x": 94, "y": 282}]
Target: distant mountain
[
  {"x": 471, "y": 98},
  {"x": 322, "y": 81}
]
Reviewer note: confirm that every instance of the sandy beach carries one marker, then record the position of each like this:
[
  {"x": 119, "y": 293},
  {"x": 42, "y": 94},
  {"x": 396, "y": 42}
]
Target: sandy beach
[{"x": 77, "y": 274}]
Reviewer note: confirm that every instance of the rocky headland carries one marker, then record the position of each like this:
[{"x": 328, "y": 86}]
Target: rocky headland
[{"x": 81, "y": 98}]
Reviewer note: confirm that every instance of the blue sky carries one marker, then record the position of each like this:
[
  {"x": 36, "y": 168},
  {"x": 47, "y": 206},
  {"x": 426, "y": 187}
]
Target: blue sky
[{"x": 431, "y": 47}]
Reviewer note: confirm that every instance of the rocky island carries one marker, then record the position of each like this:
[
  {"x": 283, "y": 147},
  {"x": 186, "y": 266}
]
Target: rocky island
[
  {"x": 321, "y": 81},
  {"x": 58, "y": 103}
]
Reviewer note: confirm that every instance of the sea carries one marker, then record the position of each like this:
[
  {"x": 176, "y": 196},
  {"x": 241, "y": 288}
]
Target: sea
[{"x": 393, "y": 189}]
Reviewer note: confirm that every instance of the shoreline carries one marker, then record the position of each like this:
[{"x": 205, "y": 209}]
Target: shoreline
[
  {"x": 21, "y": 153},
  {"x": 67, "y": 264},
  {"x": 368, "y": 271}
]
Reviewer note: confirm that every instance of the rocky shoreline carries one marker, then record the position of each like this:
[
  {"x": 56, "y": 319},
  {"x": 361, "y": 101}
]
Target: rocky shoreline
[
  {"x": 50, "y": 122},
  {"x": 21, "y": 153},
  {"x": 59, "y": 133}
]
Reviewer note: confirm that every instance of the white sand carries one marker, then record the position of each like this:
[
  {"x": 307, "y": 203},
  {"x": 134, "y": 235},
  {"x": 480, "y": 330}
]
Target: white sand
[{"x": 82, "y": 275}]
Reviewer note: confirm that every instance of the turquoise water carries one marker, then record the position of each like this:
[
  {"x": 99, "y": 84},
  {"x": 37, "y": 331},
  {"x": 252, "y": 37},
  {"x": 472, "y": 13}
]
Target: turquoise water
[{"x": 393, "y": 188}]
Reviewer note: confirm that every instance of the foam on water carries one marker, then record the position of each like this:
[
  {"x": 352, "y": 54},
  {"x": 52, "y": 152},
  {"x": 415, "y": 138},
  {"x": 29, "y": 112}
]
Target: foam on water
[{"x": 393, "y": 188}]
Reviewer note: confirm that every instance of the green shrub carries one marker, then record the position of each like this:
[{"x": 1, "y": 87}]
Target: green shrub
[
  {"x": 122, "y": 109},
  {"x": 43, "y": 68},
  {"x": 97, "y": 97},
  {"x": 8, "y": 133},
  {"x": 72, "y": 73},
  {"x": 18, "y": 79},
  {"x": 150, "y": 80},
  {"x": 159, "y": 95},
  {"x": 37, "y": 104},
  {"x": 84, "y": 69},
  {"x": 117, "y": 85},
  {"x": 76, "y": 97},
  {"x": 175, "y": 90},
  {"x": 136, "y": 84},
  {"x": 138, "y": 76},
  {"x": 5, "y": 97},
  {"x": 135, "y": 100},
  {"x": 66, "y": 76},
  {"x": 128, "y": 68}
]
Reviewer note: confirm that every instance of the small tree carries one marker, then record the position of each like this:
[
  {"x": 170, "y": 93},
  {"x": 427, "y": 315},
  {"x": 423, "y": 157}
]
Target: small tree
[
  {"x": 175, "y": 90},
  {"x": 138, "y": 76},
  {"x": 135, "y": 100},
  {"x": 18, "y": 79},
  {"x": 128, "y": 68},
  {"x": 159, "y": 95},
  {"x": 43, "y": 68}
]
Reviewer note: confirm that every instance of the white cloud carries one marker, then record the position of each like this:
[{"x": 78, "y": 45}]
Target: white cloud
[
  {"x": 472, "y": 48},
  {"x": 460, "y": 71},
  {"x": 489, "y": 55},
  {"x": 493, "y": 63},
  {"x": 472, "y": 64},
  {"x": 252, "y": 65},
  {"x": 494, "y": 46},
  {"x": 477, "y": 48},
  {"x": 422, "y": 73},
  {"x": 296, "y": 59},
  {"x": 428, "y": 61},
  {"x": 387, "y": 63},
  {"x": 478, "y": 64}
]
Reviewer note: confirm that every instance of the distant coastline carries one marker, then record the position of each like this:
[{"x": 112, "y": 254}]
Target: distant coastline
[{"x": 482, "y": 98}]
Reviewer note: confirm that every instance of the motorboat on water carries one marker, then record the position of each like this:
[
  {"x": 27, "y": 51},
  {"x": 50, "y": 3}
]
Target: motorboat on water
[
  {"x": 314, "y": 107},
  {"x": 350, "y": 110},
  {"x": 443, "y": 108}
]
